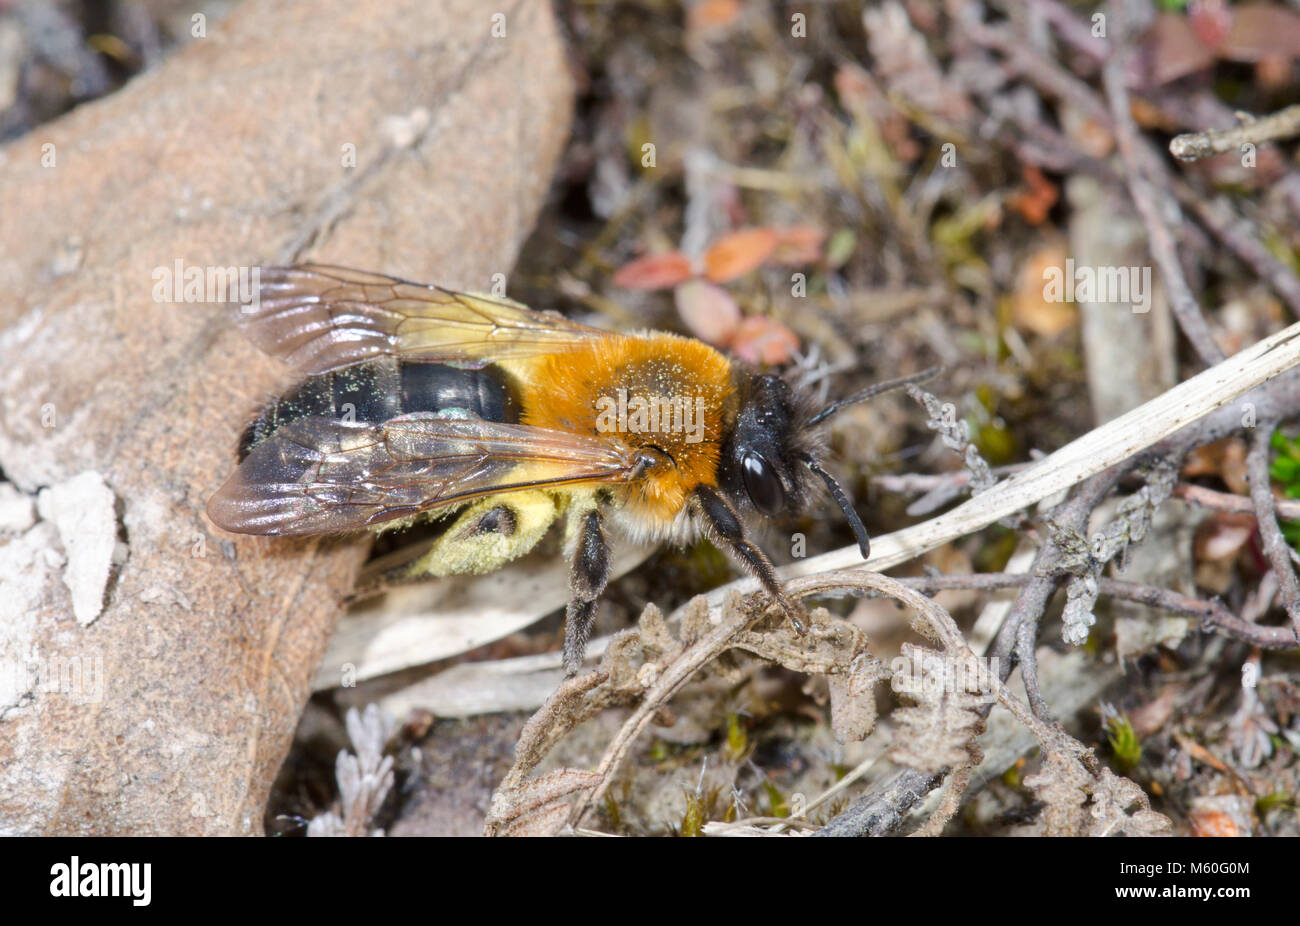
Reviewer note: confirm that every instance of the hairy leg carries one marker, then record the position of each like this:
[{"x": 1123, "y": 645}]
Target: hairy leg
[
  {"x": 721, "y": 524},
  {"x": 587, "y": 577}
]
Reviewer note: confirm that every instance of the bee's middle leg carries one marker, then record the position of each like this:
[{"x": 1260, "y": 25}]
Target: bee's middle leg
[{"x": 589, "y": 572}]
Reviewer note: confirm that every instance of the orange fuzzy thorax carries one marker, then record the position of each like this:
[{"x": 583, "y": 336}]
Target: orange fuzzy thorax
[{"x": 684, "y": 386}]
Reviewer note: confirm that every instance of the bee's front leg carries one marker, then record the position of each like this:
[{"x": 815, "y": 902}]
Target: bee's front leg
[
  {"x": 587, "y": 577},
  {"x": 722, "y": 525}
]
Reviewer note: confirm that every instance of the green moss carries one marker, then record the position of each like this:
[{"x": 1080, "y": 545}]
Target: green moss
[
  {"x": 737, "y": 745},
  {"x": 1124, "y": 743},
  {"x": 1277, "y": 800},
  {"x": 777, "y": 804},
  {"x": 695, "y": 817}
]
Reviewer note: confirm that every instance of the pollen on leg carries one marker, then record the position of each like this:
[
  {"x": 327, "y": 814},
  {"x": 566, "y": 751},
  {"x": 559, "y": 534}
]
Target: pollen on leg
[{"x": 489, "y": 533}]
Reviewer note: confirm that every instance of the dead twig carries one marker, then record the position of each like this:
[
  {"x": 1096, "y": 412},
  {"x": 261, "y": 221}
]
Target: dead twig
[
  {"x": 1151, "y": 202},
  {"x": 1225, "y": 501},
  {"x": 882, "y": 812},
  {"x": 1019, "y": 633},
  {"x": 1193, "y": 146},
  {"x": 1240, "y": 236},
  {"x": 1275, "y": 546},
  {"x": 1213, "y": 615}
]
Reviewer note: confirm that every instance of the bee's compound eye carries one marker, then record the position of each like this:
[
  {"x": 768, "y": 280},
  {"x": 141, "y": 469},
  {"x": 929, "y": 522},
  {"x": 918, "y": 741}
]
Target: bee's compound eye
[{"x": 762, "y": 484}]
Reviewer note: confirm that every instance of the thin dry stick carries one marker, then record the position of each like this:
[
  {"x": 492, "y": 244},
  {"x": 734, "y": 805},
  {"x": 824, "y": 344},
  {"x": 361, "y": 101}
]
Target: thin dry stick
[
  {"x": 1042, "y": 72},
  {"x": 1195, "y": 145},
  {"x": 1021, "y": 623},
  {"x": 1275, "y": 545},
  {"x": 1212, "y": 613},
  {"x": 1241, "y": 237},
  {"x": 1225, "y": 501},
  {"x": 842, "y": 784},
  {"x": 883, "y": 812},
  {"x": 1161, "y": 241},
  {"x": 916, "y": 483}
]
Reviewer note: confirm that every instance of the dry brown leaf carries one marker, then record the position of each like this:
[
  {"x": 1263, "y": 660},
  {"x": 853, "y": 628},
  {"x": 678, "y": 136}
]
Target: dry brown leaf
[
  {"x": 1222, "y": 535},
  {"x": 708, "y": 311},
  {"x": 853, "y": 699},
  {"x": 762, "y": 340},
  {"x": 797, "y": 245},
  {"x": 706, "y": 15},
  {"x": 1260, "y": 31},
  {"x": 1171, "y": 49},
  {"x": 1030, "y": 308},
  {"x": 654, "y": 271},
  {"x": 1037, "y": 201},
  {"x": 1080, "y": 802},
  {"x": 738, "y": 253},
  {"x": 1226, "y": 459}
]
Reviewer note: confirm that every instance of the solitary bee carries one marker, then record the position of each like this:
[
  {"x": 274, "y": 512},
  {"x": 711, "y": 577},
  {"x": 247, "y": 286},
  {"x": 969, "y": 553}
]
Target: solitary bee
[{"x": 419, "y": 399}]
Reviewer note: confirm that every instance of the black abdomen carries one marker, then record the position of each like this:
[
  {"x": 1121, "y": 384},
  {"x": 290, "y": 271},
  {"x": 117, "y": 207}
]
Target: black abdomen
[{"x": 384, "y": 389}]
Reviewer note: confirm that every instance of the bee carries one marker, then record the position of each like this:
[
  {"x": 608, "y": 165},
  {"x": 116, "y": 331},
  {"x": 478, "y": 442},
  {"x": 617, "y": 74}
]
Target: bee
[{"x": 421, "y": 401}]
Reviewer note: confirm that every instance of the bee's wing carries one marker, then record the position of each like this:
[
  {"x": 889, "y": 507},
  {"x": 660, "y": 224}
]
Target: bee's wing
[
  {"x": 320, "y": 318},
  {"x": 320, "y": 475}
]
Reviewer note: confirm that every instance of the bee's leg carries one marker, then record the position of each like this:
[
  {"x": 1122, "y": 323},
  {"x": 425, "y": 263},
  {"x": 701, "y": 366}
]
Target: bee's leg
[
  {"x": 488, "y": 534},
  {"x": 587, "y": 578},
  {"x": 722, "y": 525}
]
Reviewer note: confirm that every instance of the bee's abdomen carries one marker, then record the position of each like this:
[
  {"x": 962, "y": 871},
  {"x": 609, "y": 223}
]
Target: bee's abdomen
[
  {"x": 383, "y": 389},
  {"x": 435, "y": 387}
]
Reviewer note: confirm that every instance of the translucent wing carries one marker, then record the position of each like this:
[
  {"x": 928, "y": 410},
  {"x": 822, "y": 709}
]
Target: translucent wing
[
  {"x": 320, "y": 475},
  {"x": 320, "y": 318}
]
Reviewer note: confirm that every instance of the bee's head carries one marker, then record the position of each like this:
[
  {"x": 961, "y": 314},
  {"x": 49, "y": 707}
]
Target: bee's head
[
  {"x": 762, "y": 466},
  {"x": 772, "y": 462}
]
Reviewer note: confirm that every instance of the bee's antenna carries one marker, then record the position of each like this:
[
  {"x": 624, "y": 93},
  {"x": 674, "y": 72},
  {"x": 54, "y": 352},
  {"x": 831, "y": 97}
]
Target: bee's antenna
[
  {"x": 842, "y": 499},
  {"x": 870, "y": 391}
]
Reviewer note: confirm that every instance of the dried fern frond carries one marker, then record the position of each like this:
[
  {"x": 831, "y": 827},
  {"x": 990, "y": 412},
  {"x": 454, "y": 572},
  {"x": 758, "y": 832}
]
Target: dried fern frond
[
  {"x": 948, "y": 691},
  {"x": 1080, "y": 802}
]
